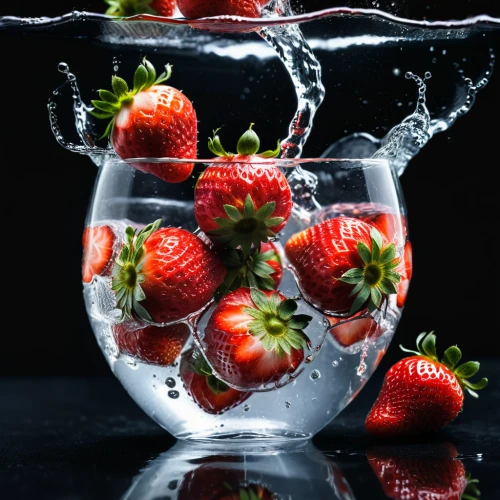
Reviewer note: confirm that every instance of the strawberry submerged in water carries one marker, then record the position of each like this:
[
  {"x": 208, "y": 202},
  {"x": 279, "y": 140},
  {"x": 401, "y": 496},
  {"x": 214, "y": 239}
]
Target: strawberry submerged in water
[
  {"x": 193, "y": 9},
  {"x": 422, "y": 394},
  {"x": 210, "y": 393},
  {"x": 438, "y": 477},
  {"x": 164, "y": 274},
  {"x": 152, "y": 120},
  {"x": 157, "y": 345},
  {"x": 242, "y": 199},
  {"x": 98, "y": 251},
  {"x": 353, "y": 331},
  {"x": 344, "y": 265},
  {"x": 253, "y": 337},
  {"x": 126, "y": 8}
]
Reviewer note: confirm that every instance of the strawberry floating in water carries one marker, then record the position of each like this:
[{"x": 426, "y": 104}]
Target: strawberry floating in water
[
  {"x": 242, "y": 199},
  {"x": 262, "y": 269},
  {"x": 152, "y": 344},
  {"x": 354, "y": 330},
  {"x": 193, "y": 9},
  {"x": 98, "y": 251},
  {"x": 164, "y": 274},
  {"x": 152, "y": 120},
  {"x": 421, "y": 393},
  {"x": 438, "y": 477},
  {"x": 210, "y": 393},
  {"x": 344, "y": 265},
  {"x": 126, "y": 8},
  {"x": 254, "y": 337}
]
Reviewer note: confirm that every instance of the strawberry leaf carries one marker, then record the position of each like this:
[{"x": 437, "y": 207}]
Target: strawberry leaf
[
  {"x": 140, "y": 78},
  {"x": 467, "y": 370},
  {"x": 451, "y": 357}
]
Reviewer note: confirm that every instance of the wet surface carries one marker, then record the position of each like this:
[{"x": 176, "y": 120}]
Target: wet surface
[{"x": 84, "y": 438}]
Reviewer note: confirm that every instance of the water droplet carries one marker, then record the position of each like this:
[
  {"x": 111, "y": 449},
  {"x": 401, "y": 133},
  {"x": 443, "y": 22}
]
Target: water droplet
[
  {"x": 246, "y": 407},
  {"x": 335, "y": 363},
  {"x": 396, "y": 71},
  {"x": 173, "y": 394},
  {"x": 315, "y": 375},
  {"x": 287, "y": 404},
  {"x": 63, "y": 67},
  {"x": 170, "y": 382},
  {"x": 172, "y": 485}
]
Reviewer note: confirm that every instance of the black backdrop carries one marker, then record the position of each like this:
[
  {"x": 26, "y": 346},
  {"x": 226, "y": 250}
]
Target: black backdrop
[{"x": 450, "y": 191}]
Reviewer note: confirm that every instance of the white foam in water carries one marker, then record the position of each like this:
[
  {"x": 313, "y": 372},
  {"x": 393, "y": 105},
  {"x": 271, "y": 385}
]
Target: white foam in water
[{"x": 331, "y": 375}]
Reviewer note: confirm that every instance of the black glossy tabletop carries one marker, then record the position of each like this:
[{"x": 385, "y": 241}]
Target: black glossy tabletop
[{"x": 85, "y": 438}]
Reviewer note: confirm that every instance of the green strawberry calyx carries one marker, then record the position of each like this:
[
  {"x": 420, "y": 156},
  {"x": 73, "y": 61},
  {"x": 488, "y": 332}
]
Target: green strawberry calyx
[
  {"x": 127, "y": 275},
  {"x": 426, "y": 347},
  {"x": 248, "y": 145},
  {"x": 112, "y": 102},
  {"x": 376, "y": 279},
  {"x": 248, "y": 271},
  {"x": 471, "y": 491},
  {"x": 126, "y": 8},
  {"x": 275, "y": 323},
  {"x": 246, "y": 228},
  {"x": 200, "y": 366}
]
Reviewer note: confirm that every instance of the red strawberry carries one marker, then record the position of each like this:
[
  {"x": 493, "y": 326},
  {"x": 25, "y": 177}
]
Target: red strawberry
[
  {"x": 210, "y": 393},
  {"x": 343, "y": 265},
  {"x": 164, "y": 274},
  {"x": 354, "y": 330},
  {"x": 209, "y": 482},
  {"x": 126, "y": 8},
  {"x": 151, "y": 120},
  {"x": 157, "y": 345},
  {"x": 420, "y": 393},
  {"x": 242, "y": 199},
  {"x": 440, "y": 476},
  {"x": 261, "y": 270},
  {"x": 406, "y": 275},
  {"x": 98, "y": 250},
  {"x": 253, "y": 337},
  {"x": 193, "y": 9}
]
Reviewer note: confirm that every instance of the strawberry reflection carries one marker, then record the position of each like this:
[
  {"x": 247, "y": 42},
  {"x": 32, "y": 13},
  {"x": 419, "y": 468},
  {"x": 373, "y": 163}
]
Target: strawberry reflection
[
  {"x": 407, "y": 474},
  {"x": 237, "y": 471}
]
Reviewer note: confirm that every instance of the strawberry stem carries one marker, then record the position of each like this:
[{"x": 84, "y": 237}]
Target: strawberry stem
[{"x": 426, "y": 347}]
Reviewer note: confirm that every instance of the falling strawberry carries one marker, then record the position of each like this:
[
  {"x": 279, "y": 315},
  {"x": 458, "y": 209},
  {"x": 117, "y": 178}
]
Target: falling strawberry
[
  {"x": 352, "y": 331},
  {"x": 259, "y": 269},
  {"x": 242, "y": 199},
  {"x": 193, "y": 9},
  {"x": 440, "y": 476},
  {"x": 210, "y": 393},
  {"x": 157, "y": 345},
  {"x": 254, "y": 337},
  {"x": 421, "y": 393},
  {"x": 343, "y": 265},
  {"x": 126, "y": 8},
  {"x": 98, "y": 251},
  {"x": 150, "y": 121},
  {"x": 164, "y": 274}
]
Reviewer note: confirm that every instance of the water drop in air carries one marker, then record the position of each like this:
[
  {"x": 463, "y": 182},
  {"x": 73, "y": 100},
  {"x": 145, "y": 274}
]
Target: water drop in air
[
  {"x": 170, "y": 382},
  {"x": 173, "y": 394}
]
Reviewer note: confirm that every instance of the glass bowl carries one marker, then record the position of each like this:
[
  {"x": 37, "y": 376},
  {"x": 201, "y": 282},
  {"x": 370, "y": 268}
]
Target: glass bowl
[{"x": 266, "y": 335}]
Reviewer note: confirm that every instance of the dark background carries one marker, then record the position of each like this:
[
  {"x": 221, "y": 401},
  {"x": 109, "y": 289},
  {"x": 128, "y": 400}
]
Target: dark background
[{"x": 450, "y": 189}]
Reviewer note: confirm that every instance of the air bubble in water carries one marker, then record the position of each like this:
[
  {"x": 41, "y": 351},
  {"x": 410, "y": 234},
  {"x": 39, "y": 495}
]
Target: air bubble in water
[
  {"x": 173, "y": 394},
  {"x": 63, "y": 67},
  {"x": 335, "y": 363},
  {"x": 170, "y": 382},
  {"x": 246, "y": 407},
  {"x": 287, "y": 404},
  {"x": 315, "y": 375}
]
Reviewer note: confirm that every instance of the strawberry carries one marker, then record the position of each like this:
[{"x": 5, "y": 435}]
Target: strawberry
[
  {"x": 343, "y": 265},
  {"x": 440, "y": 477},
  {"x": 156, "y": 345},
  {"x": 354, "y": 330},
  {"x": 243, "y": 198},
  {"x": 254, "y": 337},
  {"x": 126, "y": 8},
  {"x": 211, "y": 482},
  {"x": 193, "y": 9},
  {"x": 210, "y": 393},
  {"x": 421, "y": 393},
  {"x": 98, "y": 250},
  {"x": 151, "y": 120},
  {"x": 260, "y": 269},
  {"x": 164, "y": 274}
]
